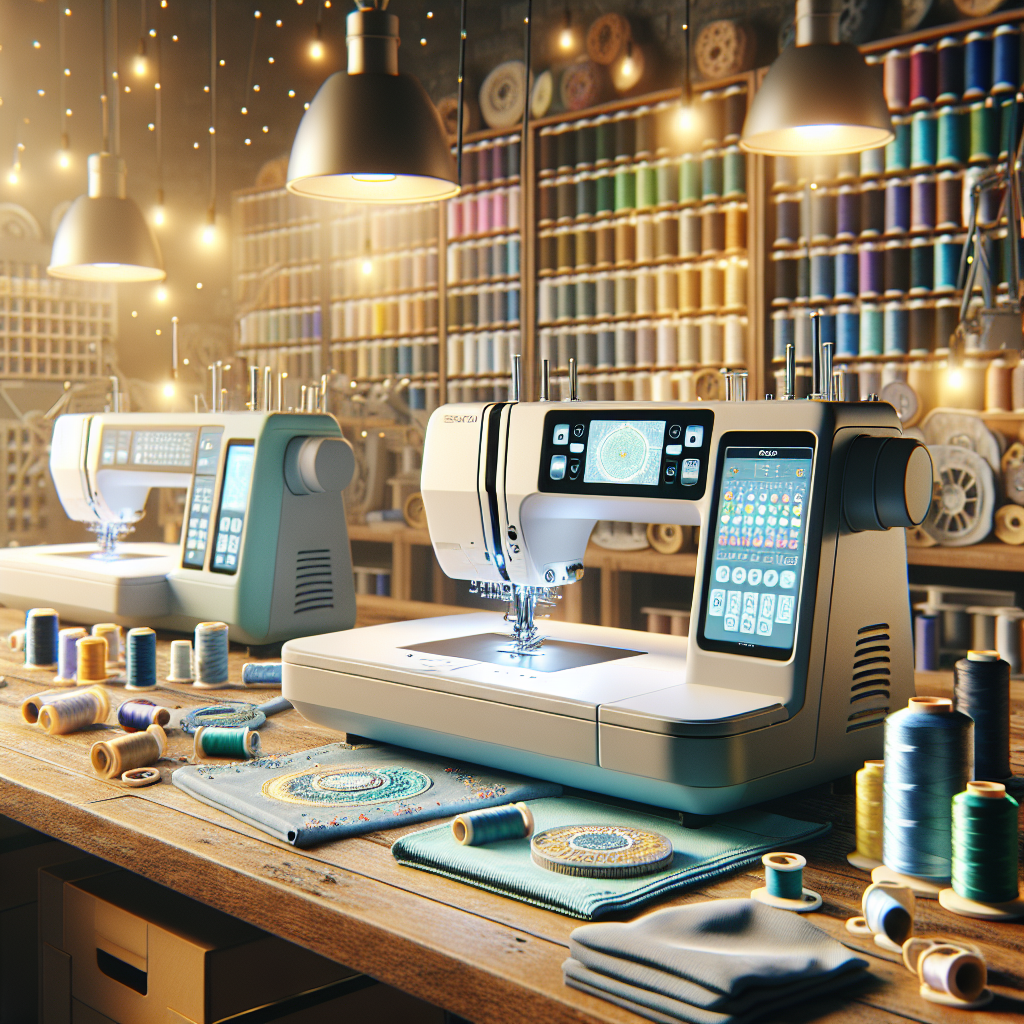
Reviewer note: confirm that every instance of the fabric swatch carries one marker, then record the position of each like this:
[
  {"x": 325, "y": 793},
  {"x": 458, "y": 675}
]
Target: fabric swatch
[
  {"x": 733, "y": 840},
  {"x": 335, "y": 791}
]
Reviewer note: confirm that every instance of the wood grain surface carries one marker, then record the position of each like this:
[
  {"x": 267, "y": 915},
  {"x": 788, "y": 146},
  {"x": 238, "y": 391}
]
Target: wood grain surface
[{"x": 479, "y": 955}]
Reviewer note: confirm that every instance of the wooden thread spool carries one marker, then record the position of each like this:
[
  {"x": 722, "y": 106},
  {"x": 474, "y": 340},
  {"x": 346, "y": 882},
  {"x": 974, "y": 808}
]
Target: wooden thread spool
[
  {"x": 784, "y": 887},
  {"x": 1009, "y": 524},
  {"x": 887, "y": 913},
  {"x": 735, "y": 228},
  {"x": 92, "y": 660},
  {"x": 112, "y": 634},
  {"x": 111, "y": 758},
  {"x": 76, "y": 711}
]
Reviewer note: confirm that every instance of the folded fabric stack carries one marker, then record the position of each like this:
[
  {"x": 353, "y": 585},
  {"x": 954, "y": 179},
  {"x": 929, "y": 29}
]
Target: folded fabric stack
[{"x": 721, "y": 962}]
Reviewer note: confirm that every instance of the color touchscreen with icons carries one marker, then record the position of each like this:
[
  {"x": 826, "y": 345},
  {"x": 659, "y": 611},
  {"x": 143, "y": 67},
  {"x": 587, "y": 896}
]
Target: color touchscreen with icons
[{"x": 757, "y": 549}]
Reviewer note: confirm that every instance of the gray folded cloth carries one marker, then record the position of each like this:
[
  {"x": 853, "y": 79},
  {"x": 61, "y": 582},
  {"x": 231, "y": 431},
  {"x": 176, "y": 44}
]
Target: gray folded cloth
[{"x": 720, "y": 962}]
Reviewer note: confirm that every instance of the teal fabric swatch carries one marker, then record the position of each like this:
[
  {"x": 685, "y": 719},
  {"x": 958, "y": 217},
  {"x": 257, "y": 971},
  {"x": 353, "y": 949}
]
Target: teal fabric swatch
[{"x": 733, "y": 840}]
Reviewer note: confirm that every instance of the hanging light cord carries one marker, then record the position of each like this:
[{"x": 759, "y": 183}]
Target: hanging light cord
[
  {"x": 104, "y": 111},
  {"x": 117, "y": 78},
  {"x": 687, "y": 83},
  {"x": 212, "y": 210},
  {"x": 62, "y": 45},
  {"x": 526, "y": 104},
  {"x": 158, "y": 123},
  {"x": 252, "y": 56},
  {"x": 462, "y": 91}
]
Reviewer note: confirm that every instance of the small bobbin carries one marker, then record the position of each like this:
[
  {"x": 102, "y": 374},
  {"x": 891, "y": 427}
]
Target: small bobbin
[
  {"x": 779, "y": 867},
  {"x": 887, "y": 915},
  {"x": 951, "y": 973},
  {"x": 136, "y": 778}
]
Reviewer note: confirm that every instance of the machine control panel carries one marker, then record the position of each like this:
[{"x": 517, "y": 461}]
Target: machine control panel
[
  {"x": 234, "y": 502},
  {"x": 203, "y": 488},
  {"x": 147, "y": 449},
  {"x": 613, "y": 453}
]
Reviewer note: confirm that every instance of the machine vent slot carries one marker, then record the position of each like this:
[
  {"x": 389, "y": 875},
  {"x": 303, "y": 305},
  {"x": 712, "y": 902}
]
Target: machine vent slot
[
  {"x": 314, "y": 583},
  {"x": 869, "y": 689}
]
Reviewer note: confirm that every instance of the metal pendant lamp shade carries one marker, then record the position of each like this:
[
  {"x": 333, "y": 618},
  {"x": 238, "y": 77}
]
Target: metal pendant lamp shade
[
  {"x": 372, "y": 135},
  {"x": 103, "y": 236},
  {"x": 819, "y": 96}
]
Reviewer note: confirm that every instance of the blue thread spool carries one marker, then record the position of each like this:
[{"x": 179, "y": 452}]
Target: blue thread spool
[
  {"x": 897, "y": 207},
  {"x": 923, "y": 140},
  {"x": 950, "y": 70},
  {"x": 241, "y": 744},
  {"x": 31, "y": 706},
  {"x": 872, "y": 163},
  {"x": 41, "y": 631},
  {"x": 871, "y": 271},
  {"x": 782, "y": 333},
  {"x": 625, "y": 189},
  {"x": 953, "y": 137},
  {"x": 823, "y": 215},
  {"x": 141, "y": 660},
  {"x": 927, "y": 762},
  {"x": 847, "y": 331},
  {"x": 139, "y": 715},
  {"x": 846, "y": 273},
  {"x": 922, "y": 266},
  {"x": 872, "y": 330},
  {"x": 734, "y": 173},
  {"x": 984, "y": 145},
  {"x": 872, "y": 210},
  {"x": 67, "y": 654},
  {"x": 947, "y": 263},
  {"x": 926, "y": 642},
  {"x": 493, "y": 825},
  {"x": 922, "y": 203},
  {"x": 784, "y": 883},
  {"x": 711, "y": 176},
  {"x": 886, "y": 915},
  {"x": 604, "y": 193},
  {"x": 977, "y": 64},
  {"x": 897, "y": 268},
  {"x": 897, "y": 152},
  {"x": 847, "y": 213},
  {"x": 823, "y": 276},
  {"x": 896, "y": 329},
  {"x": 1006, "y": 59},
  {"x": 211, "y": 654}
]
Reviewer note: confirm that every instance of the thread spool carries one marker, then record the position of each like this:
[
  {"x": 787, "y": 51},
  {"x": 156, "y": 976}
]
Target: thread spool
[
  {"x": 896, "y": 79},
  {"x": 872, "y": 162},
  {"x": 897, "y": 207},
  {"x": 822, "y": 275},
  {"x": 666, "y": 229},
  {"x": 946, "y": 264},
  {"x": 952, "y": 145},
  {"x": 734, "y": 173},
  {"x": 950, "y": 70},
  {"x": 141, "y": 659},
  {"x": 690, "y": 178},
  {"x": 872, "y": 210},
  {"x": 139, "y": 715},
  {"x": 112, "y": 634},
  {"x": 91, "y": 654},
  {"x": 847, "y": 331},
  {"x": 927, "y": 762},
  {"x": 42, "y": 627},
  {"x": 923, "y": 75},
  {"x": 981, "y": 689},
  {"x": 896, "y": 329},
  {"x": 787, "y": 219},
  {"x": 784, "y": 884},
  {"x": 926, "y": 643},
  {"x": 111, "y": 758},
  {"x": 977, "y": 64},
  {"x": 1008, "y": 637},
  {"x": 984, "y": 133},
  {"x": 923, "y": 140},
  {"x": 181, "y": 662},
  {"x": 76, "y": 711},
  {"x": 922, "y": 277},
  {"x": 897, "y": 152},
  {"x": 847, "y": 281},
  {"x": 847, "y": 213},
  {"x": 1005, "y": 59},
  {"x": 240, "y": 744},
  {"x": 887, "y": 913},
  {"x": 868, "y": 803},
  {"x": 16, "y": 640},
  {"x": 711, "y": 176},
  {"x": 31, "y": 706},
  {"x": 922, "y": 203},
  {"x": 823, "y": 215},
  {"x": 67, "y": 655},
  {"x": 712, "y": 231},
  {"x": 871, "y": 271},
  {"x": 953, "y": 976},
  {"x": 211, "y": 655},
  {"x": 493, "y": 825}
]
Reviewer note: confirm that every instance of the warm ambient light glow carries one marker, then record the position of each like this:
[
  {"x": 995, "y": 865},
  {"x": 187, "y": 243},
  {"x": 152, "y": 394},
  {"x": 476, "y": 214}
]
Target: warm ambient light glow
[
  {"x": 159, "y": 217},
  {"x": 375, "y": 177},
  {"x": 565, "y": 39},
  {"x": 367, "y": 267},
  {"x": 687, "y": 119},
  {"x": 141, "y": 66},
  {"x": 209, "y": 234},
  {"x": 818, "y": 138},
  {"x": 955, "y": 378},
  {"x": 316, "y": 49},
  {"x": 12, "y": 177},
  {"x": 168, "y": 391},
  {"x": 64, "y": 160},
  {"x": 161, "y": 295}
]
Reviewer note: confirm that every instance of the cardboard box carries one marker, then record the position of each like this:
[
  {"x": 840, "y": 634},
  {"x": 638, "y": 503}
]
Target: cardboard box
[
  {"x": 22, "y": 853},
  {"x": 119, "y": 949}
]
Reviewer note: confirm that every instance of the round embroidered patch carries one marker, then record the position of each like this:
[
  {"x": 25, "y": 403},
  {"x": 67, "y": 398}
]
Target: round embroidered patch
[
  {"x": 347, "y": 787},
  {"x": 608, "y": 851}
]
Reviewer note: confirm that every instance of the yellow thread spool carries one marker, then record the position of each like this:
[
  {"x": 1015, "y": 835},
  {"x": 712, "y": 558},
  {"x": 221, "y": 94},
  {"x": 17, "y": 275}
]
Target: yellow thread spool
[
  {"x": 112, "y": 634},
  {"x": 92, "y": 660},
  {"x": 76, "y": 711},
  {"x": 111, "y": 758},
  {"x": 868, "y": 854}
]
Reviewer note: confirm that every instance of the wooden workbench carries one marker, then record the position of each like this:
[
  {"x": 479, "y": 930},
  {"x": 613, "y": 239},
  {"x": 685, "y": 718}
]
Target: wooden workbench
[{"x": 481, "y": 956}]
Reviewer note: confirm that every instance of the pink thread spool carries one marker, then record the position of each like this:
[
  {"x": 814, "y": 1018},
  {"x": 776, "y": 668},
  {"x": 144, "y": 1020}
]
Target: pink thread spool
[
  {"x": 454, "y": 218},
  {"x": 483, "y": 212},
  {"x": 953, "y": 975},
  {"x": 896, "y": 79}
]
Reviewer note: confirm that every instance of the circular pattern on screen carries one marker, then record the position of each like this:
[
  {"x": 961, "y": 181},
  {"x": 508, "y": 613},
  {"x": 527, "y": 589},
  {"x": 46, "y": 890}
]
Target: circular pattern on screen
[
  {"x": 623, "y": 453},
  {"x": 347, "y": 787},
  {"x": 611, "y": 851}
]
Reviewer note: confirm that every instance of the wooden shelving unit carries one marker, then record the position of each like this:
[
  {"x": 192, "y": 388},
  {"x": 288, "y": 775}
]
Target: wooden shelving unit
[{"x": 991, "y": 556}]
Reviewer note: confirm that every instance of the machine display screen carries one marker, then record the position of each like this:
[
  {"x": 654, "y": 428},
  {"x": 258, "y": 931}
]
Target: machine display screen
[
  {"x": 756, "y": 552},
  {"x": 625, "y": 452},
  {"x": 164, "y": 449},
  {"x": 234, "y": 501}
]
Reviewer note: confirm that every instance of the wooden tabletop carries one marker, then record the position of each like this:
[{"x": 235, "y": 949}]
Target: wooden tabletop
[{"x": 479, "y": 955}]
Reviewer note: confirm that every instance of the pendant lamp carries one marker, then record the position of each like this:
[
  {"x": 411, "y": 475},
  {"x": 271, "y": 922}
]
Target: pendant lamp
[
  {"x": 371, "y": 134},
  {"x": 819, "y": 96}
]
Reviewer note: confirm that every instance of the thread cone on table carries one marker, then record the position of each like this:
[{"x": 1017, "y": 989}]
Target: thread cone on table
[
  {"x": 77, "y": 710},
  {"x": 111, "y": 758}
]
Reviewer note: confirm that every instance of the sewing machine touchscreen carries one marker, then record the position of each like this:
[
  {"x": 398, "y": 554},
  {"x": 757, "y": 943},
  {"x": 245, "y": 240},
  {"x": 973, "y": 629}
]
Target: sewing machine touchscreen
[
  {"x": 756, "y": 552},
  {"x": 624, "y": 451},
  {"x": 233, "y": 504}
]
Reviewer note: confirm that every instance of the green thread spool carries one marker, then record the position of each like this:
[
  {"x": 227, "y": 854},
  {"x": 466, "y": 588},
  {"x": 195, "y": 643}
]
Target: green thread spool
[
  {"x": 646, "y": 186},
  {"x": 952, "y": 137},
  {"x": 985, "y": 843},
  {"x": 734, "y": 173},
  {"x": 984, "y": 146},
  {"x": 668, "y": 183},
  {"x": 897, "y": 152},
  {"x": 625, "y": 189},
  {"x": 604, "y": 193},
  {"x": 689, "y": 178},
  {"x": 784, "y": 875},
  {"x": 240, "y": 744},
  {"x": 711, "y": 176}
]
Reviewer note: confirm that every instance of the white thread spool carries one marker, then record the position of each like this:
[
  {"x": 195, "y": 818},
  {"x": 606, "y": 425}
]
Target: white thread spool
[
  {"x": 735, "y": 333},
  {"x": 181, "y": 662},
  {"x": 16, "y": 640},
  {"x": 689, "y": 343},
  {"x": 211, "y": 655},
  {"x": 983, "y": 627},
  {"x": 711, "y": 341},
  {"x": 661, "y": 387},
  {"x": 1008, "y": 627},
  {"x": 112, "y": 634},
  {"x": 668, "y": 344}
]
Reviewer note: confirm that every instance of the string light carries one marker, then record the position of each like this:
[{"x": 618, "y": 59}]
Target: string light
[
  {"x": 64, "y": 153},
  {"x": 168, "y": 390},
  {"x": 210, "y": 229},
  {"x": 14, "y": 175},
  {"x": 161, "y": 296},
  {"x": 565, "y": 37}
]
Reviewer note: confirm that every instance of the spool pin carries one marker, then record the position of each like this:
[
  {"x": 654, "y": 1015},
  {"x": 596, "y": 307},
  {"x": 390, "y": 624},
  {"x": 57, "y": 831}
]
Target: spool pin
[{"x": 784, "y": 884}]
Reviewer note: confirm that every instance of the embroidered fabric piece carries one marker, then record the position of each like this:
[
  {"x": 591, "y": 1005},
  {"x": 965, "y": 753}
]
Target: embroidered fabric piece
[{"x": 334, "y": 791}]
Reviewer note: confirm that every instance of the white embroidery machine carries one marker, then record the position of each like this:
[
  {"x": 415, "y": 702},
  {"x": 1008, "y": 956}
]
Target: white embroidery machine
[
  {"x": 264, "y": 546},
  {"x": 800, "y": 639}
]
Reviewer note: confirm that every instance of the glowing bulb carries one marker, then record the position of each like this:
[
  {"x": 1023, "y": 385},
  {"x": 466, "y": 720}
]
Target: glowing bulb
[
  {"x": 686, "y": 118},
  {"x": 955, "y": 378},
  {"x": 64, "y": 160},
  {"x": 161, "y": 295},
  {"x": 168, "y": 391},
  {"x": 565, "y": 39},
  {"x": 140, "y": 66},
  {"x": 627, "y": 67},
  {"x": 159, "y": 216},
  {"x": 316, "y": 49},
  {"x": 375, "y": 177},
  {"x": 209, "y": 234},
  {"x": 12, "y": 176},
  {"x": 367, "y": 267}
]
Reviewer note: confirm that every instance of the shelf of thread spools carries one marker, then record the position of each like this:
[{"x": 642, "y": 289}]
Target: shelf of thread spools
[
  {"x": 875, "y": 240},
  {"x": 383, "y": 286},
  {"x": 483, "y": 270},
  {"x": 278, "y": 254},
  {"x": 642, "y": 247},
  {"x": 51, "y": 329}
]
